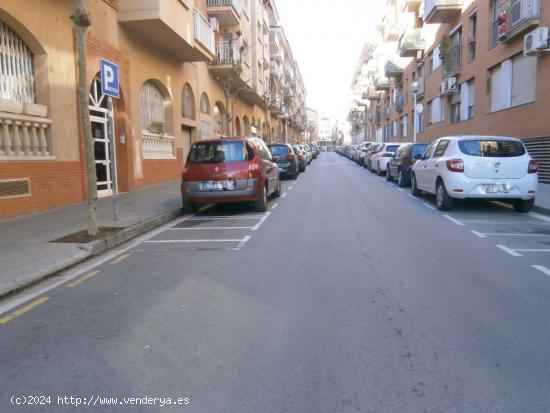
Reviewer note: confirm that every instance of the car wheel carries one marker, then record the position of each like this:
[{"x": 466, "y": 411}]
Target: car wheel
[
  {"x": 442, "y": 199},
  {"x": 523, "y": 205},
  {"x": 400, "y": 179},
  {"x": 277, "y": 192},
  {"x": 414, "y": 189},
  {"x": 260, "y": 205},
  {"x": 379, "y": 171},
  {"x": 388, "y": 175}
]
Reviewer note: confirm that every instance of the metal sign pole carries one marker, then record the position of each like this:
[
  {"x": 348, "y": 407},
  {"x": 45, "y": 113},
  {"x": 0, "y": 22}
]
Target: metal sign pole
[{"x": 111, "y": 135}]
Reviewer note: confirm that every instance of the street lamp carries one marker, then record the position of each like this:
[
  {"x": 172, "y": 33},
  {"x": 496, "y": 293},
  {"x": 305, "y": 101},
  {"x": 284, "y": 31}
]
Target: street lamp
[{"x": 414, "y": 88}]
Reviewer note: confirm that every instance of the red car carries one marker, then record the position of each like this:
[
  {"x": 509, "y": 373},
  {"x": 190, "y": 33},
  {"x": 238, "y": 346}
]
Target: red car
[{"x": 229, "y": 170}]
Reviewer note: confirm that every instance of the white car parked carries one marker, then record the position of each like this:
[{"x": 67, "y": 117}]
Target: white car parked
[
  {"x": 363, "y": 148},
  {"x": 490, "y": 167},
  {"x": 379, "y": 160}
]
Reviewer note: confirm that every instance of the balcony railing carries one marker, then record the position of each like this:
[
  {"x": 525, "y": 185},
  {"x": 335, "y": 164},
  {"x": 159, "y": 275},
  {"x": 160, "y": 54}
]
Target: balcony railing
[
  {"x": 441, "y": 11},
  {"x": 236, "y": 4},
  {"x": 157, "y": 146},
  {"x": 24, "y": 137},
  {"x": 392, "y": 69},
  {"x": 452, "y": 62},
  {"x": 387, "y": 112},
  {"x": 204, "y": 33},
  {"x": 399, "y": 101},
  {"x": 522, "y": 15},
  {"x": 227, "y": 52},
  {"x": 421, "y": 87},
  {"x": 410, "y": 42},
  {"x": 382, "y": 83}
]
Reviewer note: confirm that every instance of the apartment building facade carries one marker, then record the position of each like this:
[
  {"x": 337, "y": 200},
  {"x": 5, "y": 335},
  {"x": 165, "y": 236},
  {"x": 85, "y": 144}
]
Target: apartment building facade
[
  {"x": 189, "y": 70},
  {"x": 452, "y": 67}
]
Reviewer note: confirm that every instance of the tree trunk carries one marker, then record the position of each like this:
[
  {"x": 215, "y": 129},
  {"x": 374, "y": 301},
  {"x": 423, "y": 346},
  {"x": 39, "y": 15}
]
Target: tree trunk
[{"x": 81, "y": 23}]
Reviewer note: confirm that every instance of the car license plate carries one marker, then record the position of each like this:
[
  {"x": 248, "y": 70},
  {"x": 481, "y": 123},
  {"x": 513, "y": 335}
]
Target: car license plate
[
  {"x": 494, "y": 188},
  {"x": 217, "y": 186}
]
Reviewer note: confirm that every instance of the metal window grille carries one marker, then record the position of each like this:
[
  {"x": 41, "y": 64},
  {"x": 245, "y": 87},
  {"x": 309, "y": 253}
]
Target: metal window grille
[
  {"x": 152, "y": 105},
  {"x": 16, "y": 67}
]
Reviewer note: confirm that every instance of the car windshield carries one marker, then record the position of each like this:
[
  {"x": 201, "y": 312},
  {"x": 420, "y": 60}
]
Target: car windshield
[
  {"x": 218, "y": 152},
  {"x": 499, "y": 148},
  {"x": 392, "y": 148},
  {"x": 418, "y": 150},
  {"x": 278, "y": 150}
]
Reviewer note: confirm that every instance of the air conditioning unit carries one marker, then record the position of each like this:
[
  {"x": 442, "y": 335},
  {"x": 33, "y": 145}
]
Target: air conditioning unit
[
  {"x": 536, "y": 41},
  {"x": 452, "y": 85},
  {"x": 443, "y": 88},
  {"x": 215, "y": 24}
]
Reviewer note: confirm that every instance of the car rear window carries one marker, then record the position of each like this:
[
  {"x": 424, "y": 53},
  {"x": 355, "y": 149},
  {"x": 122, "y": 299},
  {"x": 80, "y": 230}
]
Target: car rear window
[
  {"x": 492, "y": 148},
  {"x": 278, "y": 150},
  {"x": 392, "y": 148},
  {"x": 219, "y": 152},
  {"x": 418, "y": 150}
]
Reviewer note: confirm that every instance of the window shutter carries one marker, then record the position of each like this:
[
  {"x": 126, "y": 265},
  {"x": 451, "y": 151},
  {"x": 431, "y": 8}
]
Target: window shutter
[
  {"x": 464, "y": 99},
  {"x": 524, "y": 74}
]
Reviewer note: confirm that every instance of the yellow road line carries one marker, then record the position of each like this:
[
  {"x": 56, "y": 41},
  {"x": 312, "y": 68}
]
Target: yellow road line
[
  {"x": 23, "y": 310},
  {"x": 119, "y": 259},
  {"x": 81, "y": 280}
]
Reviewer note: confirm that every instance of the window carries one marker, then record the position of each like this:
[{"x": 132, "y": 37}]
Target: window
[
  {"x": 455, "y": 106},
  {"x": 218, "y": 152},
  {"x": 467, "y": 100},
  {"x": 441, "y": 147},
  {"x": 263, "y": 149},
  {"x": 492, "y": 148},
  {"x": 220, "y": 121},
  {"x": 430, "y": 151},
  {"x": 472, "y": 33},
  {"x": 16, "y": 68},
  {"x": 436, "y": 110},
  {"x": 205, "y": 104},
  {"x": 152, "y": 107},
  {"x": 513, "y": 82},
  {"x": 188, "y": 102},
  {"x": 435, "y": 59},
  {"x": 404, "y": 126},
  {"x": 419, "y": 121}
]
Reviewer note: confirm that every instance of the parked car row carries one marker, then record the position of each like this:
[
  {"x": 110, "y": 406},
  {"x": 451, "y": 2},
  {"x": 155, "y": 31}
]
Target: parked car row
[
  {"x": 457, "y": 167},
  {"x": 241, "y": 170}
]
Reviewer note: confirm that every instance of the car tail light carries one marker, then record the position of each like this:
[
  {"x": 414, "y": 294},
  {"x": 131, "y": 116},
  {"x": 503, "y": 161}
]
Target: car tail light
[
  {"x": 533, "y": 167},
  {"x": 253, "y": 169},
  {"x": 300, "y": 156},
  {"x": 291, "y": 156},
  {"x": 455, "y": 165}
]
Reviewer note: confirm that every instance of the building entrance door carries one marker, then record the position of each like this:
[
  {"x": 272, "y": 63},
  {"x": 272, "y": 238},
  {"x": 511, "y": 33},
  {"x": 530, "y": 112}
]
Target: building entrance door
[{"x": 101, "y": 119}]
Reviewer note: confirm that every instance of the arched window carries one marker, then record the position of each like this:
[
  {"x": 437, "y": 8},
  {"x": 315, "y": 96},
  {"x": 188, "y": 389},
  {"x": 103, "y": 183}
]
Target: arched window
[
  {"x": 188, "y": 102},
  {"x": 153, "y": 113},
  {"x": 205, "y": 104},
  {"x": 220, "y": 121},
  {"x": 246, "y": 123},
  {"x": 237, "y": 126},
  {"x": 16, "y": 68}
]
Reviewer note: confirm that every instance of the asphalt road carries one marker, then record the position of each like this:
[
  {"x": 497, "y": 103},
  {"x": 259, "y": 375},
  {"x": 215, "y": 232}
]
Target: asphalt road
[{"x": 349, "y": 296}]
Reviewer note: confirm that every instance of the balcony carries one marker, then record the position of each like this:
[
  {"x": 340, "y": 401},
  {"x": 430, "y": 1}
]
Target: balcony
[
  {"x": 157, "y": 146},
  {"x": 421, "y": 87},
  {"x": 410, "y": 42},
  {"x": 372, "y": 95},
  {"x": 409, "y": 6},
  {"x": 24, "y": 137},
  {"x": 399, "y": 101},
  {"x": 441, "y": 11},
  {"x": 522, "y": 16},
  {"x": 452, "y": 61},
  {"x": 389, "y": 29},
  {"x": 228, "y": 12},
  {"x": 387, "y": 112},
  {"x": 382, "y": 84},
  {"x": 204, "y": 33},
  {"x": 392, "y": 69},
  {"x": 169, "y": 26}
]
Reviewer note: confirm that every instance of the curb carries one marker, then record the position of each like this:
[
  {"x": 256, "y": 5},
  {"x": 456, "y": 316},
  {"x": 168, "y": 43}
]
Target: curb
[
  {"x": 91, "y": 250},
  {"x": 541, "y": 210}
]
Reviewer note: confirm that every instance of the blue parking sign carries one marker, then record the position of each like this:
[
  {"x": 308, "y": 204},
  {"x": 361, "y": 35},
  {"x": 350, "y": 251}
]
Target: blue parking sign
[{"x": 109, "y": 78}]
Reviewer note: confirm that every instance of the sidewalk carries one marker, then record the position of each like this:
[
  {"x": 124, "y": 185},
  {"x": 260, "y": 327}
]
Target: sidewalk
[
  {"x": 27, "y": 255},
  {"x": 542, "y": 202}
]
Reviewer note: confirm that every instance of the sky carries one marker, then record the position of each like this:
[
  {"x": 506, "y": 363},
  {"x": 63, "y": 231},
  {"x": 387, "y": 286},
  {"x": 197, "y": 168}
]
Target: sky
[{"x": 326, "y": 38}]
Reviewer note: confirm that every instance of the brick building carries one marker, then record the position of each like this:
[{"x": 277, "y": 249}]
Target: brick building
[
  {"x": 465, "y": 61},
  {"x": 189, "y": 69}
]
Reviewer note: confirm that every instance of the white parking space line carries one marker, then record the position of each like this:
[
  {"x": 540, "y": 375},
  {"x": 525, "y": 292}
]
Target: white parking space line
[
  {"x": 212, "y": 218},
  {"x": 468, "y": 221},
  {"x": 479, "y": 234},
  {"x": 275, "y": 205},
  {"x": 190, "y": 241},
  {"x": 542, "y": 269},
  {"x": 283, "y": 195},
  {"x": 411, "y": 195},
  {"x": 533, "y": 249},
  {"x": 259, "y": 224},
  {"x": 242, "y": 243},
  {"x": 428, "y": 206},
  {"x": 206, "y": 228},
  {"x": 290, "y": 187},
  {"x": 510, "y": 251},
  {"x": 457, "y": 222},
  {"x": 401, "y": 189},
  {"x": 539, "y": 216}
]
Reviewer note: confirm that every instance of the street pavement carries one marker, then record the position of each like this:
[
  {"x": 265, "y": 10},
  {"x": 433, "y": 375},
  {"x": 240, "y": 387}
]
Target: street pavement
[{"x": 349, "y": 295}]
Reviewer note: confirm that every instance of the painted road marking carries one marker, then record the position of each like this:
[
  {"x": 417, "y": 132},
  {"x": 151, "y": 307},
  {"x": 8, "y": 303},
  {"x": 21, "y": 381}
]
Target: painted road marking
[
  {"x": 290, "y": 188},
  {"x": 210, "y": 218},
  {"x": 533, "y": 249},
  {"x": 206, "y": 228},
  {"x": 274, "y": 206},
  {"x": 453, "y": 220},
  {"x": 259, "y": 224},
  {"x": 242, "y": 243},
  {"x": 401, "y": 189},
  {"x": 120, "y": 259},
  {"x": 510, "y": 251},
  {"x": 542, "y": 269},
  {"x": 539, "y": 216},
  {"x": 500, "y": 234},
  {"x": 23, "y": 310},
  {"x": 428, "y": 205},
  {"x": 190, "y": 241},
  {"x": 472, "y": 221},
  {"x": 479, "y": 234},
  {"x": 283, "y": 195},
  {"x": 81, "y": 280}
]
